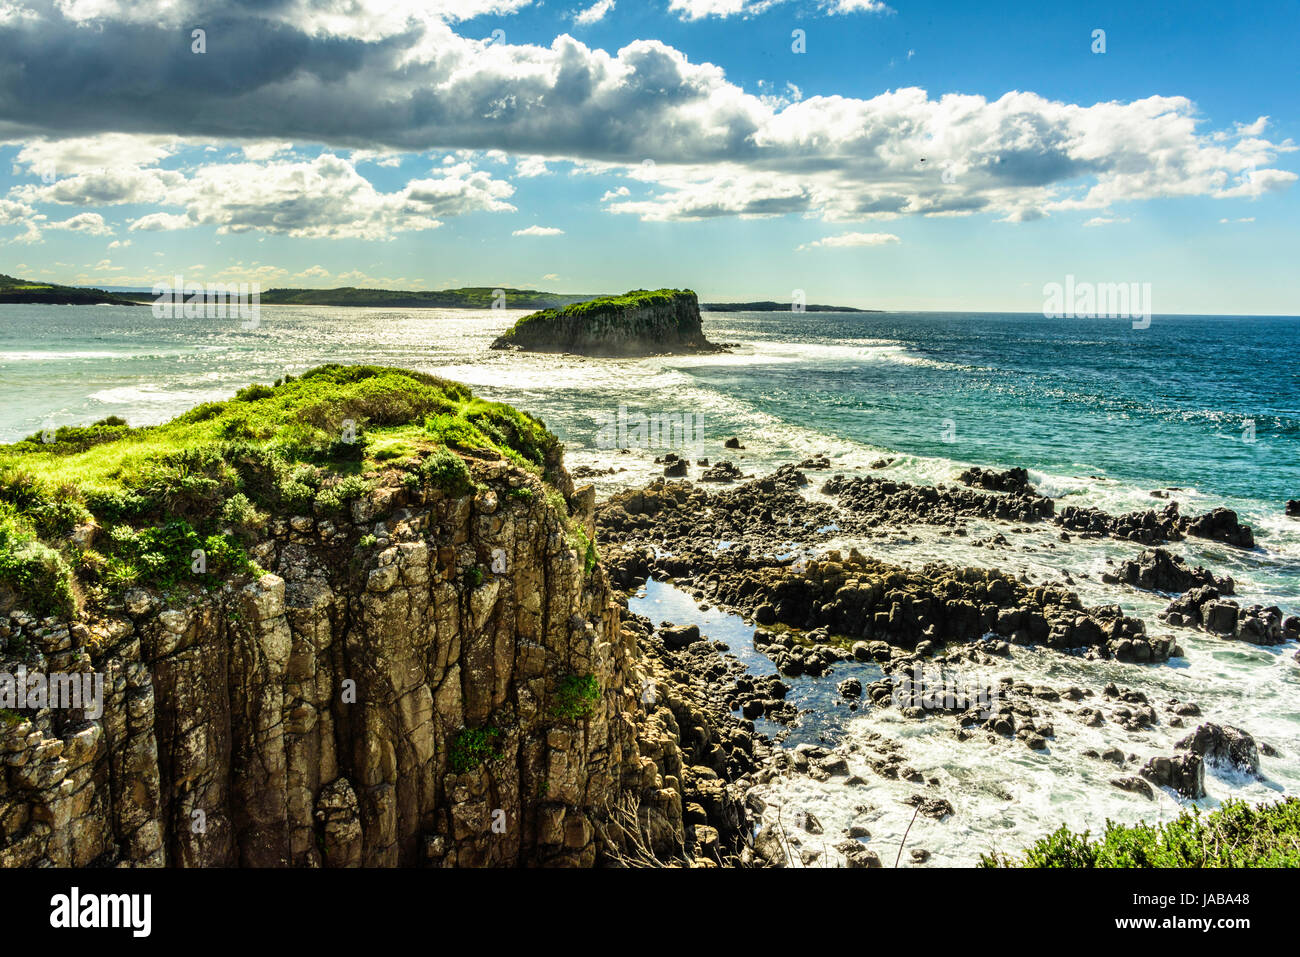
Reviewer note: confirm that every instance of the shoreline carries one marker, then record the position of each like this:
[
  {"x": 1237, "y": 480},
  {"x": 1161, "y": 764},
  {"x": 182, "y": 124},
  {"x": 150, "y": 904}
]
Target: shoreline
[{"x": 1113, "y": 724}]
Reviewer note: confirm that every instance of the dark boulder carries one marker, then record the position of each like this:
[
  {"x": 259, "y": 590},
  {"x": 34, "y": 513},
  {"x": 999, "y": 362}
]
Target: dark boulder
[{"x": 1223, "y": 745}]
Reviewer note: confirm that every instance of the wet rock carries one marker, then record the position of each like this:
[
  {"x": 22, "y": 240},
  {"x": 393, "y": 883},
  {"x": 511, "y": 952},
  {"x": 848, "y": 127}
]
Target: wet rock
[
  {"x": 1221, "y": 525},
  {"x": 857, "y": 856},
  {"x": 850, "y": 688},
  {"x": 1012, "y": 480},
  {"x": 1223, "y": 745},
  {"x": 679, "y": 636},
  {"x": 1185, "y": 773},
  {"x": 1158, "y": 570},
  {"x": 1134, "y": 784}
]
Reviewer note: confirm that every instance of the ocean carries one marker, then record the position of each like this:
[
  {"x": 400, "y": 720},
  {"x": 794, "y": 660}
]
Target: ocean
[{"x": 1206, "y": 409}]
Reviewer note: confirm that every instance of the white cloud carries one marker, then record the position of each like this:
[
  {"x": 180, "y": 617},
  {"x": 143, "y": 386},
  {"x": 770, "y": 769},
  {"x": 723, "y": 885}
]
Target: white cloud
[
  {"x": 91, "y": 224},
  {"x": 529, "y": 166},
  {"x": 264, "y": 150},
  {"x": 1106, "y": 220},
  {"x": 718, "y": 149},
  {"x": 594, "y": 13},
  {"x": 538, "y": 231},
  {"x": 119, "y": 244},
  {"x": 160, "y": 222},
  {"x": 853, "y": 239},
  {"x": 324, "y": 198},
  {"x": 312, "y": 272}
]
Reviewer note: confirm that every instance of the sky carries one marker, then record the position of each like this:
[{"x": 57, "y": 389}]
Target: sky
[{"x": 893, "y": 155}]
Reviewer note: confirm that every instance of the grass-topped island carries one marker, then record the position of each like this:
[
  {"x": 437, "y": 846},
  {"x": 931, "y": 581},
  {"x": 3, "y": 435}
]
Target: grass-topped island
[{"x": 637, "y": 323}]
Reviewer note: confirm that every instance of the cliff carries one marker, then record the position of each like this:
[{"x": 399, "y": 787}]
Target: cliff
[
  {"x": 635, "y": 324},
  {"x": 354, "y": 619}
]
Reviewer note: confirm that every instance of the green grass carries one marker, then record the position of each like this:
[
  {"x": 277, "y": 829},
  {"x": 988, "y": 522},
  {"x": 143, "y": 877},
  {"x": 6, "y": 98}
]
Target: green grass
[
  {"x": 1235, "y": 835},
  {"x": 209, "y": 479}
]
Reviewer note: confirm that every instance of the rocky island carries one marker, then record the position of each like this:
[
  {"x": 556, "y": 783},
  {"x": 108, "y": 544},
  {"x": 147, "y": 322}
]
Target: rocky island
[{"x": 637, "y": 323}]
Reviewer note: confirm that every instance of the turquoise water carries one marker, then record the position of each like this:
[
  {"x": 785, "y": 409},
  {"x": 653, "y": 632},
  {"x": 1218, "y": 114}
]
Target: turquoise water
[{"x": 1099, "y": 412}]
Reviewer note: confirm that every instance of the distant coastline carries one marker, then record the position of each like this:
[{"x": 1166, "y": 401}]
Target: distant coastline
[
  {"x": 25, "y": 292},
  {"x": 769, "y": 306},
  {"x": 469, "y": 297}
]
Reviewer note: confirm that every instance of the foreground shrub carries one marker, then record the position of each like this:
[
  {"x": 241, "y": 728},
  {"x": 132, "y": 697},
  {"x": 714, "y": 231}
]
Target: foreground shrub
[{"x": 1235, "y": 835}]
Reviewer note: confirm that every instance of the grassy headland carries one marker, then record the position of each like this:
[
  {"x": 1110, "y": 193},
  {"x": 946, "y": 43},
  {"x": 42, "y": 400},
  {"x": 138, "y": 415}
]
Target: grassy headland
[{"x": 86, "y": 512}]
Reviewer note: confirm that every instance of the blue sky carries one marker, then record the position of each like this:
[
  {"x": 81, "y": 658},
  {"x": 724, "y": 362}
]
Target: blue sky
[{"x": 913, "y": 156}]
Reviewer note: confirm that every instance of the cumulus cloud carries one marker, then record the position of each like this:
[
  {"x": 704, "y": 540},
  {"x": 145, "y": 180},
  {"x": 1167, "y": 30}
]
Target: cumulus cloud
[
  {"x": 853, "y": 239},
  {"x": 538, "y": 231},
  {"x": 594, "y": 13},
  {"x": 160, "y": 222},
  {"x": 90, "y": 224},
  {"x": 395, "y": 78},
  {"x": 1106, "y": 220},
  {"x": 320, "y": 198}
]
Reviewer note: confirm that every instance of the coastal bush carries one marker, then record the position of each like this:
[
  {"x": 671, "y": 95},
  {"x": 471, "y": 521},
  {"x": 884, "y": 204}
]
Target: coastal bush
[
  {"x": 1235, "y": 835},
  {"x": 241, "y": 513},
  {"x": 336, "y": 497},
  {"x": 576, "y": 697},
  {"x": 164, "y": 556},
  {"x": 472, "y": 747},
  {"x": 446, "y": 470},
  {"x": 33, "y": 569},
  {"x": 254, "y": 392}
]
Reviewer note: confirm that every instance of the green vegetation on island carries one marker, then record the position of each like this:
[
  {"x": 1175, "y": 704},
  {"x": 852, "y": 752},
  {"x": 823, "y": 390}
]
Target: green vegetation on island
[
  {"x": 639, "y": 322},
  {"x": 86, "y": 512},
  {"x": 1234, "y": 835}
]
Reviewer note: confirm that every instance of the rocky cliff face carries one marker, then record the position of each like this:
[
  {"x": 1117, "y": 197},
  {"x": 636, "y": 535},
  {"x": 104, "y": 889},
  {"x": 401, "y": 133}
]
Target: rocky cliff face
[
  {"x": 425, "y": 680},
  {"x": 635, "y": 324}
]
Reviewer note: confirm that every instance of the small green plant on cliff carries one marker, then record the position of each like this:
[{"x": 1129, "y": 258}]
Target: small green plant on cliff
[
  {"x": 473, "y": 577},
  {"x": 585, "y": 546},
  {"x": 473, "y": 747},
  {"x": 576, "y": 697},
  {"x": 367, "y": 541},
  {"x": 1234, "y": 835},
  {"x": 10, "y": 718}
]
